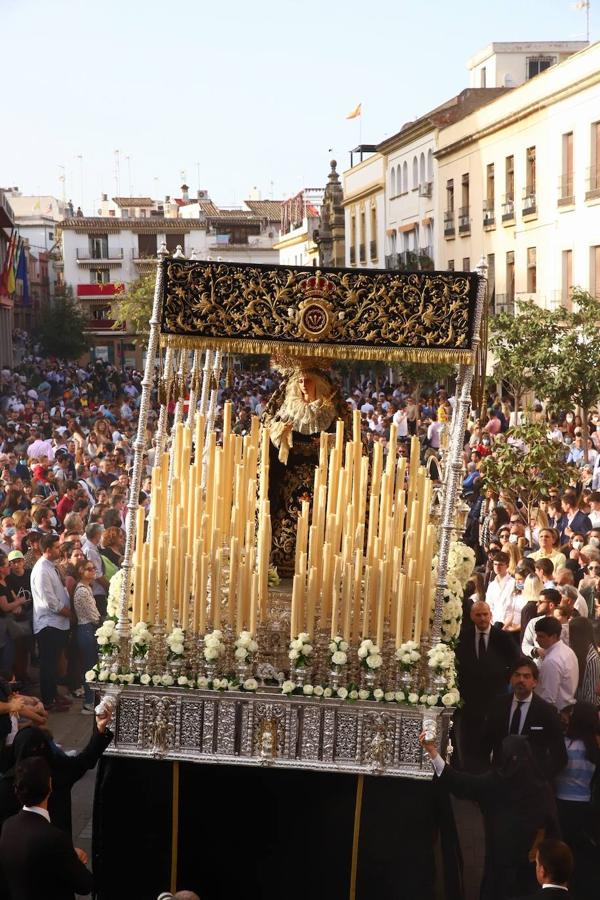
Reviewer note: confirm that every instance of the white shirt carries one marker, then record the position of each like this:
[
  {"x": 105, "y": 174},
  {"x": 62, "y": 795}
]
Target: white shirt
[
  {"x": 400, "y": 419},
  {"x": 559, "y": 674},
  {"x": 525, "y": 704},
  {"x": 498, "y": 596},
  {"x": 49, "y": 596},
  {"x": 559, "y": 887},
  {"x": 39, "y": 810}
]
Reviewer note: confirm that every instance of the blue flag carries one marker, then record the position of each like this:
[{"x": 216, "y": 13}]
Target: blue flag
[{"x": 21, "y": 274}]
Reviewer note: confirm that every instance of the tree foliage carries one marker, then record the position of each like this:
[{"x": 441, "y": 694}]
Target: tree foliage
[
  {"x": 134, "y": 307},
  {"x": 521, "y": 345},
  {"x": 60, "y": 329},
  {"x": 526, "y": 465}
]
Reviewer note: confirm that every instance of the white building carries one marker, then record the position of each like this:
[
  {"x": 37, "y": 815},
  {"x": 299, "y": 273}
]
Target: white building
[
  {"x": 511, "y": 63},
  {"x": 364, "y": 209},
  {"x": 300, "y": 217},
  {"x": 520, "y": 185}
]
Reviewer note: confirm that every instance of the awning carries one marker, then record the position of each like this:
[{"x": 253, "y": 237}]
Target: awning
[
  {"x": 408, "y": 227},
  {"x": 428, "y": 220}
]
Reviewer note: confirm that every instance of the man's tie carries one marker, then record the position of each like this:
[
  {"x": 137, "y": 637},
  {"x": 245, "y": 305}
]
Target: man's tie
[
  {"x": 482, "y": 648},
  {"x": 515, "y": 722}
]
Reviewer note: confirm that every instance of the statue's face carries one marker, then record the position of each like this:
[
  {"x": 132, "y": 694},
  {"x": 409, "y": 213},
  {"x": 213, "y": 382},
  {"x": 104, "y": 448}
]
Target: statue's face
[{"x": 308, "y": 386}]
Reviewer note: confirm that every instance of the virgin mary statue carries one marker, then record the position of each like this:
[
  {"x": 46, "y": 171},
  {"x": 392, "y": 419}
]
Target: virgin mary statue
[{"x": 306, "y": 403}]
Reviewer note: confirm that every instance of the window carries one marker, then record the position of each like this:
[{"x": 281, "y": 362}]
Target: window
[
  {"x": 450, "y": 195},
  {"x": 491, "y": 278},
  {"x": 393, "y": 182},
  {"x": 415, "y": 173},
  {"x": 595, "y": 271},
  {"x": 99, "y": 276},
  {"x": 373, "y": 243},
  {"x": 175, "y": 240},
  {"x": 465, "y": 190},
  {"x": 594, "y": 174},
  {"x": 567, "y": 279},
  {"x": 430, "y": 165},
  {"x": 482, "y": 77},
  {"x": 510, "y": 177},
  {"x": 353, "y": 239},
  {"x": 98, "y": 246},
  {"x": 510, "y": 277},
  {"x": 405, "y": 177},
  {"x": 422, "y": 178},
  {"x": 537, "y": 64},
  {"x": 566, "y": 182},
  {"x": 530, "y": 173},
  {"x": 466, "y": 267},
  {"x": 531, "y": 270},
  {"x": 147, "y": 246},
  {"x": 451, "y": 265},
  {"x": 490, "y": 186},
  {"x": 361, "y": 245}
]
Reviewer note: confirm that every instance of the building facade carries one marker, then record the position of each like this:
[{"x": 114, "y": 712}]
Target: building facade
[
  {"x": 300, "y": 221},
  {"x": 364, "y": 209},
  {"x": 7, "y": 225},
  {"x": 520, "y": 186}
]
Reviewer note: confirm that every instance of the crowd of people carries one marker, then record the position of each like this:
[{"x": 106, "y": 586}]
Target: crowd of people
[{"x": 527, "y": 736}]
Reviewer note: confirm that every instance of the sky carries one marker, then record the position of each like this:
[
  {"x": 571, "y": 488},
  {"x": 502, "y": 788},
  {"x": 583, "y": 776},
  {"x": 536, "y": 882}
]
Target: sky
[{"x": 232, "y": 95}]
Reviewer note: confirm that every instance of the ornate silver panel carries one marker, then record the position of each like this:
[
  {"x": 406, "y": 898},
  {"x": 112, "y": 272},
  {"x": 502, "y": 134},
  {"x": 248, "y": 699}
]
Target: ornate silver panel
[{"x": 270, "y": 729}]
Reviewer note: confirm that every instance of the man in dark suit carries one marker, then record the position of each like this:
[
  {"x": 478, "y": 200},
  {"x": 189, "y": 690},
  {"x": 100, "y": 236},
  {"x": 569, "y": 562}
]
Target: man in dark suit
[
  {"x": 553, "y": 868},
  {"x": 38, "y": 860},
  {"x": 523, "y": 712},
  {"x": 573, "y": 520},
  {"x": 484, "y": 659}
]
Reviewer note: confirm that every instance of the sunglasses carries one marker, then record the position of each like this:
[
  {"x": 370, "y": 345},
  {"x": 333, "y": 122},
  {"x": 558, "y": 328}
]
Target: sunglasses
[{"x": 593, "y": 568}]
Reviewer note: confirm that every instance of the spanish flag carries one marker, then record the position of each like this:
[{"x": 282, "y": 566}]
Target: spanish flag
[{"x": 355, "y": 112}]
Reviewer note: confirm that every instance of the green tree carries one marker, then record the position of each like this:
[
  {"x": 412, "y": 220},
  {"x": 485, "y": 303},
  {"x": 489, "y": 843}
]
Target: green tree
[
  {"x": 573, "y": 376},
  {"x": 134, "y": 307},
  {"x": 521, "y": 346},
  {"x": 60, "y": 330},
  {"x": 525, "y": 466}
]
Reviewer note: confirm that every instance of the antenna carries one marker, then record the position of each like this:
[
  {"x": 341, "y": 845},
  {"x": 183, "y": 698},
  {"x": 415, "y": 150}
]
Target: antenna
[
  {"x": 80, "y": 158},
  {"x": 198, "y": 174},
  {"x": 62, "y": 178},
  {"x": 128, "y": 158},
  {"x": 117, "y": 174}
]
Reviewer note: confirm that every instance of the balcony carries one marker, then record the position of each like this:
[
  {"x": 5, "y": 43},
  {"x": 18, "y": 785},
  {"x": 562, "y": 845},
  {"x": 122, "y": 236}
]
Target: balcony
[
  {"x": 449, "y": 230},
  {"x": 408, "y": 261},
  {"x": 425, "y": 189},
  {"x": 566, "y": 190},
  {"x": 529, "y": 206},
  {"x": 464, "y": 221},
  {"x": 352, "y": 256},
  {"x": 361, "y": 253},
  {"x": 489, "y": 215},
  {"x": 392, "y": 261},
  {"x": 508, "y": 209},
  {"x": 145, "y": 258},
  {"x": 90, "y": 257},
  {"x": 504, "y": 303},
  {"x": 90, "y": 291},
  {"x": 373, "y": 249},
  {"x": 592, "y": 183},
  {"x": 426, "y": 259}
]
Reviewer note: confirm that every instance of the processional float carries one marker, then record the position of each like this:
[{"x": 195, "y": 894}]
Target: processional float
[{"x": 342, "y": 668}]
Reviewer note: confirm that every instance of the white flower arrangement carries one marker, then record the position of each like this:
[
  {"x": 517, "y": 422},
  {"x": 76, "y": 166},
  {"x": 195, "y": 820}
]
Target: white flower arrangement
[
  {"x": 175, "y": 641},
  {"x": 440, "y": 658},
  {"x": 369, "y": 655},
  {"x": 461, "y": 562},
  {"x": 213, "y": 646},
  {"x": 114, "y": 594},
  {"x": 338, "y": 650},
  {"x": 300, "y": 650},
  {"x": 288, "y": 687},
  {"x": 245, "y": 647},
  {"x": 107, "y": 637},
  {"x": 408, "y": 655},
  {"x": 141, "y": 638},
  {"x": 250, "y": 684}
]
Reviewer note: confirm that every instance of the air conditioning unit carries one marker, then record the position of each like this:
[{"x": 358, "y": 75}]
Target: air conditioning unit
[{"x": 202, "y": 195}]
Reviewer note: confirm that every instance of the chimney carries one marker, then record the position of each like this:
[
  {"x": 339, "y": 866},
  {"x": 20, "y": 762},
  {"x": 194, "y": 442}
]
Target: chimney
[
  {"x": 184, "y": 191},
  {"x": 105, "y": 198}
]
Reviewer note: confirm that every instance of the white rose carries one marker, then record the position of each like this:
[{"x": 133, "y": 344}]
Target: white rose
[
  {"x": 389, "y": 696},
  {"x": 362, "y": 652},
  {"x": 130, "y": 677},
  {"x": 318, "y": 692},
  {"x": 250, "y": 684},
  {"x": 287, "y": 687},
  {"x": 374, "y": 650},
  {"x": 293, "y": 654},
  {"x": 202, "y": 682},
  {"x": 367, "y": 643},
  {"x": 252, "y": 646},
  {"x": 90, "y": 675},
  {"x": 296, "y": 645},
  {"x": 339, "y": 658},
  {"x": 353, "y": 695},
  {"x": 156, "y": 679},
  {"x": 378, "y": 694},
  {"x": 413, "y": 698},
  {"x": 307, "y": 689},
  {"x": 113, "y": 676},
  {"x": 103, "y": 676},
  {"x": 342, "y": 693},
  {"x": 307, "y": 650},
  {"x": 102, "y": 640},
  {"x": 423, "y": 698},
  {"x": 182, "y": 680},
  {"x": 303, "y": 636},
  {"x": 177, "y": 649},
  {"x": 375, "y": 661},
  {"x": 145, "y": 678},
  {"x": 344, "y": 646},
  {"x": 241, "y": 653},
  {"x": 327, "y": 692},
  {"x": 399, "y": 697},
  {"x": 448, "y": 699},
  {"x": 167, "y": 680},
  {"x": 333, "y": 647},
  {"x": 217, "y": 633},
  {"x": 432, "y": 700},
  {"x": 210, "y": 653},
  {"x": 363, "y": 695}
]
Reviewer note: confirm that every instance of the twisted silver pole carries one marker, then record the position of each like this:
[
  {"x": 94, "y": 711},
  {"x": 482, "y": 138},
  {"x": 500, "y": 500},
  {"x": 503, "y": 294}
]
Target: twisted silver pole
[
  {"x": 123, "y": 627},
  {"x": 464, "y": 384}
]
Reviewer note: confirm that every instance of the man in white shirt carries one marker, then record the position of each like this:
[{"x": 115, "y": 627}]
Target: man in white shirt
[
  {"x": 39, "y": 449},
  {"x": 400, "y": 420},
  {"x": 547, "y": 602},
  {"x": 500, "y": 589},
  {"x": 559, "y": 669},
  {"x": 433, "y": 434},
  {"x": 51, "y": 620}
]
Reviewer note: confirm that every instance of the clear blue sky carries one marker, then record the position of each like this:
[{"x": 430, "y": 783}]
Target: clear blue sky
[{"x": 254, "y": 93}]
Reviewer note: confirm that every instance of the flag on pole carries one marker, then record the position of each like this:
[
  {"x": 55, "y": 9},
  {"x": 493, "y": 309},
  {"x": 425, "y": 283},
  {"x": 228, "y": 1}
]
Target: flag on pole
[
  {"x": 8, "y": 266},
  {"x": 11, "y": 282},
  {"x": 22, "y": 275},
  {"x": 355, "y": 112}
]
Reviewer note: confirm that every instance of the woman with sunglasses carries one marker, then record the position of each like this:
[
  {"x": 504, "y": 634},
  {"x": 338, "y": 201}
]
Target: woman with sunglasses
[
  {"x": 88, "y": 619},
  {"x": 589, "y": 586}
]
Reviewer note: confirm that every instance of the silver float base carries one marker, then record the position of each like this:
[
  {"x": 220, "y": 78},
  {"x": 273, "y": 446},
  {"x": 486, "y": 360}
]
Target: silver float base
[{"x": 270, "y": 729}]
